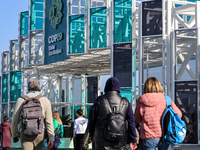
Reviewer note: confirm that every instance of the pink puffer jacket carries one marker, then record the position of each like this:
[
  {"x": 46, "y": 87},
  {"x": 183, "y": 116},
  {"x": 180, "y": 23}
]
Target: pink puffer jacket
[{"x": 149, "y": 112}]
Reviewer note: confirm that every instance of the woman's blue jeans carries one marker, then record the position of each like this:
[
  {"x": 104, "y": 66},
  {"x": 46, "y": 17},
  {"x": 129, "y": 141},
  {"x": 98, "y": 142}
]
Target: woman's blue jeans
[{"x": 152, "y": 144}]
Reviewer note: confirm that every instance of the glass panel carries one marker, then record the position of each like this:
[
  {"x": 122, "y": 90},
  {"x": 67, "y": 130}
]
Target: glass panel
[
  {"x": 76, "y": 34},
  {"x": 152, "y": 58},
  {"x": 23, "y": 58},
  {"x": 14, "y": 55},
  {"x": 5, "y": 88},
  {"x": 88, "y": 107},
  {"x": 92, "y": 89},
  {"x": 5, "y": 62},
  {"x": 36, "y": 15},
  {"x": 186, "y": 58},
  {"x": 97, "y": 3},
  {"x": 4, "y": 110},
  {"x": 98, "y": 27},
  {"x": 15, "y": 85},
  {"x": 24, "y": 23},
  {"x": 186, "y": 101},
  {"x": 123, "y": 64},
  {"x": 77, "y": 91},
  {"x": 37, "y": 48},
  {"x": 122, "y": 21},
  {"x": 126, "y": 92},
  {"x": 151, "y": 18},
  {"x": 77, "y": 7}
]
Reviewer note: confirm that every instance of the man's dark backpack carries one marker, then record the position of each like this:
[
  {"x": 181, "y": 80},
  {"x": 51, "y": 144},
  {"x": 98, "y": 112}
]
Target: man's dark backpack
[
  {"x": 32, "y": 120},
  {"x": 115, "y": 127}
]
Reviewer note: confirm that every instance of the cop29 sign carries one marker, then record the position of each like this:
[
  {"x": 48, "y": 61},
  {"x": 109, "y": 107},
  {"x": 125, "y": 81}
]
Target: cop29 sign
[{"x": 55, "y": 31}]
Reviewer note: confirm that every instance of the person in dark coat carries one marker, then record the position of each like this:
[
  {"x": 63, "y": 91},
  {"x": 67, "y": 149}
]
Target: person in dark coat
[
  {"x": 6, "y": 134},
  {"x": 99, "y": 111}
]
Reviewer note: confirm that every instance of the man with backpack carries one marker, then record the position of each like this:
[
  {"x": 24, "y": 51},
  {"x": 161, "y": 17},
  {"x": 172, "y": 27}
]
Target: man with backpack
[
  {"x": 33, "y": 113},
  {"x": 111, "y": 118}
]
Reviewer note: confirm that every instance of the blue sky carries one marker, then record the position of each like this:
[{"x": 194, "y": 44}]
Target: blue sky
[{"x": 9, "y": 15}]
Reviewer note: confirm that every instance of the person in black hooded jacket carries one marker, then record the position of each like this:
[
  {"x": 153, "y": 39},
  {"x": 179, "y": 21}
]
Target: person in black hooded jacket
[{"x": 99, "y": 110}]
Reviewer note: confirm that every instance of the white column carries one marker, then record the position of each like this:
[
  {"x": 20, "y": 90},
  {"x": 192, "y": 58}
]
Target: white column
[
  {"x": 163, "y": 43},
  {"x": 111, "y": 37},
  {"x": 73, "y": 97},
  {"x": 134, "y": 49},
  {"x": 83, "y": 92},
  {"x": 140, "y": 48},
  {"x": 169, "y": 6}
]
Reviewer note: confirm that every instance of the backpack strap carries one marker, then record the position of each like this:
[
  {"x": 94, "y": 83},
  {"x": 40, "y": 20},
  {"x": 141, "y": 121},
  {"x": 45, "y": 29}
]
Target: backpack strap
[
  {"x": 168, "y": 101},
  {"x": 38, "y": 97},
  {"x": 108, "y": 104},
  {"x": 25, "y": 97},
  {"x": 162, "y": 139}
]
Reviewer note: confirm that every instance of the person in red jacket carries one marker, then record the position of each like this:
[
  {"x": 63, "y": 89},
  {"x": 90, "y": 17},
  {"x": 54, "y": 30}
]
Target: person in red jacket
[
  {"x": 6, "y": 134},
  {"x": 149, "y": 112}
]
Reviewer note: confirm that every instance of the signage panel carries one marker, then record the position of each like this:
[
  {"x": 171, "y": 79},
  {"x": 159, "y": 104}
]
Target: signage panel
[
  {"x": 186, "y": 100},
  {"x": 123, "y": 63},
  {"x": 55, "y": 31},
  {"x": 152, "y": 18}
]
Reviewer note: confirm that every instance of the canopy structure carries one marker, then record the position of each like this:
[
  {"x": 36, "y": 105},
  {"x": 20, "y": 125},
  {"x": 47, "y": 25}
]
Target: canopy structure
[{"x": 95, "y": 62}]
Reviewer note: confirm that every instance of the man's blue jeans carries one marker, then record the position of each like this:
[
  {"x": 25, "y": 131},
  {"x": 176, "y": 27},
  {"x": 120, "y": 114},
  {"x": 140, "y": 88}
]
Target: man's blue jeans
[{"x": 152, "y": 144}]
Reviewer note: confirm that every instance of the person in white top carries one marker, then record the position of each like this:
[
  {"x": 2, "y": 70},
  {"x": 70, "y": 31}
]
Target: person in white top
[{"x": 80, "y": 126}]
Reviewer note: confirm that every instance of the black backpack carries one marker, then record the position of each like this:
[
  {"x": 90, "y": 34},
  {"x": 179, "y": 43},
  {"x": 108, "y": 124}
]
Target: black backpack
[{"x": 115, "y": 127}]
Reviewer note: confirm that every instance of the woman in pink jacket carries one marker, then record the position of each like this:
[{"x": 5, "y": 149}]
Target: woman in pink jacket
[{"x": 149, "y": 112}]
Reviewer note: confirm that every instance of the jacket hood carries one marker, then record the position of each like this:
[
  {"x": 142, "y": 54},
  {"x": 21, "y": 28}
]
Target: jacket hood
[
  {"x": 5, "y": 123},
  {"x": 112, "y": 84},
  {"x": 150, "y": 99}
]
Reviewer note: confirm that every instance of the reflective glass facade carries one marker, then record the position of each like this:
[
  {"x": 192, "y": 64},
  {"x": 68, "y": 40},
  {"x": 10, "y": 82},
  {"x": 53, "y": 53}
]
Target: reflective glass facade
[
  {"x": 76, "y": 34},
  {"x": 5, "y": 88},
  {"x": 122, "y": 21},
  {"x": 15, "y": 85},
  {"x": 98, "y": 27},
  {"x": 36, "y": 14},
  {"x": 24, "y": 23}
]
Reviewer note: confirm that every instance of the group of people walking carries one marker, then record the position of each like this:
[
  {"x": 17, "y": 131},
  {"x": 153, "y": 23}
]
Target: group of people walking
[
  {"x": 110, "y": 125},
  {"x": 111, "y": 122}
]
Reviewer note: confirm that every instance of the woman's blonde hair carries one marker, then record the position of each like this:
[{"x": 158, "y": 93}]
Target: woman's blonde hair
[
  {"x": 56, "y": 115},
  {"x": 152, "y": 85}
]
